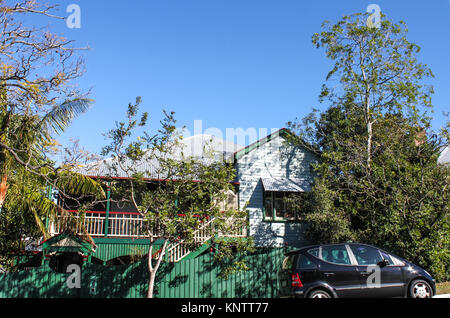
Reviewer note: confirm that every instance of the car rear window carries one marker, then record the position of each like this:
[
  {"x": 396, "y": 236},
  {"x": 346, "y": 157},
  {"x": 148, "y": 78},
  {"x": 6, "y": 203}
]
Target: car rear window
[
  {"x": 303, "y": 262},
  {"x": 288, "y": 262},
  {"x": 314, "y": 252}
]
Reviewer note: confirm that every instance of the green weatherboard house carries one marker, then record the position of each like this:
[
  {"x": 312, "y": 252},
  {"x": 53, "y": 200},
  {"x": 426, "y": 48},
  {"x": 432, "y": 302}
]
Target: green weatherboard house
[{"x": 266, "y": 171}]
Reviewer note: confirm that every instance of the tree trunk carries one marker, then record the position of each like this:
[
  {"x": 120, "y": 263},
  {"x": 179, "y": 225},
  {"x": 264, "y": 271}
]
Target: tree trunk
[
  {"x": 367, "y": 112},
  {"x": 151, "y": 283},
  {"x": 153, "y": 270},
  {"x": 369, "y": 143}
]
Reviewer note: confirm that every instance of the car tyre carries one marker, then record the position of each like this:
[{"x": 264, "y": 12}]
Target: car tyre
[
  {"x": 319, "y": 293},
  {"x": 419, "y": 288}
]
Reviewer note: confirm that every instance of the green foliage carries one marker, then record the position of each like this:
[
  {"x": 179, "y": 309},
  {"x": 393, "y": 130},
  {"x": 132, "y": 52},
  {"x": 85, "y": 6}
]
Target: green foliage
[
  {"x": 60, "y": 116},
  {"x": 378, "y": 178},
  {"x": 14, "y": 227},
  {"x": 230, "y": 255}
]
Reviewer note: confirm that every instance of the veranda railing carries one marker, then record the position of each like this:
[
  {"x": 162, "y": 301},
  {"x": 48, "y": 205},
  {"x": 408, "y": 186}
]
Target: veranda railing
[{"x": 132, "y": 225}]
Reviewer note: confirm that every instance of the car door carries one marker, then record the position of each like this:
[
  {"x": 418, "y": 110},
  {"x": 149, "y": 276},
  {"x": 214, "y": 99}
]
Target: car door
[
  {"x": 392, "y": 280},
  {"x": 307, "y": 270},
  {"x": 377, "y": 279},
  {"x": 338, "y": 271}
]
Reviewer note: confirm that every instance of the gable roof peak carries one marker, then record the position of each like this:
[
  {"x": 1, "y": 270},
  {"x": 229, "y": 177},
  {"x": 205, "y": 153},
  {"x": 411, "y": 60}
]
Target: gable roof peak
[{"x": 280, "y": 132}]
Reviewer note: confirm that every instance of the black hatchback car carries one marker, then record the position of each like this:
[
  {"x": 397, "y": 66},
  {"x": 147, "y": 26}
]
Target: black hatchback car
[{"x": 354, "y": 270}]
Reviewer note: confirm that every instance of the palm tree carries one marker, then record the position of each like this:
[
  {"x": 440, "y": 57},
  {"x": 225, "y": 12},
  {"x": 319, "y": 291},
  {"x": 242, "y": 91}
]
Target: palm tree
[{"x": 25, "y": 168}]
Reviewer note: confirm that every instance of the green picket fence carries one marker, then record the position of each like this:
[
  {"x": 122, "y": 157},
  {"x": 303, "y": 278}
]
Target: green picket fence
[{"x": 189, "y": 278}]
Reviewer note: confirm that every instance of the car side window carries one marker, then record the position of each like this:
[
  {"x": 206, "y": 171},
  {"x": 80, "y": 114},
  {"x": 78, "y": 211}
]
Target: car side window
[
  {"x": 396, "y": 261},
  {"x": 386, "y": 257},
  {"x": 366, "y": 255},
  {"x": 336, "y": 254},
  {"x": 304, "y": 262}
]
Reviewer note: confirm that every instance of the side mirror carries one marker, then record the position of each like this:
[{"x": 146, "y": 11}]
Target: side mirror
[{"x": 383, "y": 263}]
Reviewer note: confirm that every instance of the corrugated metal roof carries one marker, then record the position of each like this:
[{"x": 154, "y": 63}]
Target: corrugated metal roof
[
  {"x": 286, "y": 184},
  {"x": 197, "y": 146}
]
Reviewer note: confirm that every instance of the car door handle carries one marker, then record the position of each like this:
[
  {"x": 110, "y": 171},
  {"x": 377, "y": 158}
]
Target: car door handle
[
  {"x": 366, "y": 273},
  {"x": 328, "y": 274}
]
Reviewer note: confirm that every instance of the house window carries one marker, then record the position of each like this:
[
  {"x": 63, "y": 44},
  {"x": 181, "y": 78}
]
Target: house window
[{"x": 282, "y": 206}]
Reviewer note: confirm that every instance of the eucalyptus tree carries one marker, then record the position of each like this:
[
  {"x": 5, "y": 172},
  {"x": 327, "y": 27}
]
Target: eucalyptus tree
[{"x": 378, "y": 178}]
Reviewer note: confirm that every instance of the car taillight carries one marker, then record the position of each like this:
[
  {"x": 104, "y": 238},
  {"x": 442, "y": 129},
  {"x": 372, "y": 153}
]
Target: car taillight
[{"x": 296, "y": 282}]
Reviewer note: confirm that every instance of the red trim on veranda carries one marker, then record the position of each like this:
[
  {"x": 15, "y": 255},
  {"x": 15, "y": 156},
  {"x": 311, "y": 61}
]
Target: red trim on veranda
[
  {"x": 104, "y": 212},
  {"x": 145, "y": 179}
]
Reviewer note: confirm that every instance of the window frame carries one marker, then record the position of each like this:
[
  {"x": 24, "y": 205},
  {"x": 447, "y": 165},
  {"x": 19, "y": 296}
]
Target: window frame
[
  {"x": 271, "y": 195},
  {"x": 338, "y": 264},
  {"x": 319, "y": 254}
]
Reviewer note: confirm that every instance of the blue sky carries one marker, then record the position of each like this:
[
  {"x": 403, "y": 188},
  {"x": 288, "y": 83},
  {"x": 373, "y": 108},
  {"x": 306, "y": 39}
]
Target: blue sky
[{"x": 229, "y": 63}]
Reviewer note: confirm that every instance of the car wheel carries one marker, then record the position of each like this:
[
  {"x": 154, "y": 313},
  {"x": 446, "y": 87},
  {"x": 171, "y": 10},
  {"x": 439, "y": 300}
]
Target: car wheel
[
  {"x": 420, "y": 289},
  {"x": 319, "y": 294}
]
